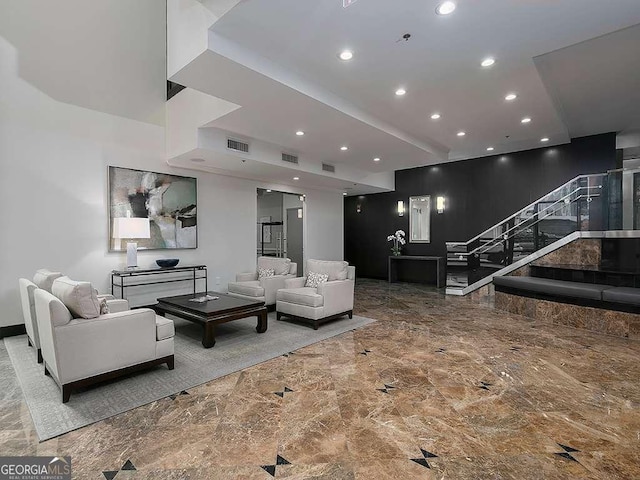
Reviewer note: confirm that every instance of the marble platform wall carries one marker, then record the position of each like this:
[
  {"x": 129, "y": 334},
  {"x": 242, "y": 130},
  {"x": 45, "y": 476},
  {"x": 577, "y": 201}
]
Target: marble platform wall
[
  {"x": 620, "y": 324},
  {"x": 584, "y": 251},
  {"x": 483, "y": 294}
]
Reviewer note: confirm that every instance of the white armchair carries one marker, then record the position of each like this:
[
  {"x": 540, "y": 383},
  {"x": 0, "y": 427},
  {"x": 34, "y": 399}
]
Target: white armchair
[
  {"x": 44, "y": 279},
  {"x": 249, "y": 285},
  {"x": 82, "y": 351},
  {"x": 27, "y": 288},
  {"x": 328, "y": 301}
]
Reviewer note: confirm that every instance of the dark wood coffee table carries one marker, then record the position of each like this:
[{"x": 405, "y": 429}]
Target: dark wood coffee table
[{"x": 209, "y": 314}]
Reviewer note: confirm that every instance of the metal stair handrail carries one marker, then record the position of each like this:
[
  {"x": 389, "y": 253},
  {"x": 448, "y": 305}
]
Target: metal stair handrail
[
  {"x": 532, "y": 204},
  {"x": 486, "y": 246}
]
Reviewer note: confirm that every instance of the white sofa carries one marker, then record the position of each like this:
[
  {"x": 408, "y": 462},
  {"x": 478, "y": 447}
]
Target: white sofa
[
  {"x": 78, "y": 352},
  {"x": 44, "y": 279},
  {"x": 330, "y": 300},
  {"x": 250, "y": 286}
]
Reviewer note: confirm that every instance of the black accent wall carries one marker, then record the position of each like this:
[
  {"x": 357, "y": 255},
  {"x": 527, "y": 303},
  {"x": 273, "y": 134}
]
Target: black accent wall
[{"x": 479, "y": 193}]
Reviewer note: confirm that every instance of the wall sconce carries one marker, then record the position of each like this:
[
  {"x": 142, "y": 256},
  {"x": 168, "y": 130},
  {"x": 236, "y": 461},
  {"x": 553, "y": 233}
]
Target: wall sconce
[
  {"x": 440, "y": 204},
  {"x": 299, "y": 213},
  {"x": 401, "y": 208},
  {"x": 358, "y": 208}
]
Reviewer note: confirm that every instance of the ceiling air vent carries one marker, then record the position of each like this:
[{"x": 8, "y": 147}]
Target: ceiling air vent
[
  {"x": 328, "y": 168},
  {"x": 237, "y": 145},
  {"x": 287, "y": 157}
]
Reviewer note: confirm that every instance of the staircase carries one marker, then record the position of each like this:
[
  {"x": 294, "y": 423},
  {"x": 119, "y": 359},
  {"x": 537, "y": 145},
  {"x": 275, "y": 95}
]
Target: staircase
[{"x": 586, "y": 203}]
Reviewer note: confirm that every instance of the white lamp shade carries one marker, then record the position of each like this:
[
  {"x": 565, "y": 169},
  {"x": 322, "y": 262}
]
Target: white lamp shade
[{"x": 131, "y": 228}]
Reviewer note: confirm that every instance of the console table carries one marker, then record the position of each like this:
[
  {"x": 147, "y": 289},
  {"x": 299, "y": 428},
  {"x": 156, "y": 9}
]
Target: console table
[
  {"x": 123, "y": 279},
  {"x": 440, "y": 266}
]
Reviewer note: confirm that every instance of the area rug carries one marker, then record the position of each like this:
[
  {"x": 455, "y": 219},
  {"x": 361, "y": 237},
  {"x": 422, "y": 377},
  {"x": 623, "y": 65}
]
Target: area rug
[{"x": 237, "y": 346}]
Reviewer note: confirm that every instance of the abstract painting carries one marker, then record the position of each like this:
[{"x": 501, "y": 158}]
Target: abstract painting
[{"x": 168, "y": 201}]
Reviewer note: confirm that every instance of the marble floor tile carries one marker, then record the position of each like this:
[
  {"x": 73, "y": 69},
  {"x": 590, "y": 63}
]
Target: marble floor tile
[
  {"x": 438, "y": 388},
  {"x": 312, "y": 429}
]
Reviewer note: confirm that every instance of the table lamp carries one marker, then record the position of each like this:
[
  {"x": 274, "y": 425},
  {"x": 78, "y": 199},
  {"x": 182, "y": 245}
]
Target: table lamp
[{"x": 131, "y": 228}]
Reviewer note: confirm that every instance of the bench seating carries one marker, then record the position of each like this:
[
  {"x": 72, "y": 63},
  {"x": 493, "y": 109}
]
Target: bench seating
[
  {"x": 600, "y": 308},
  {"x": 626, "y": 295},
  {"x": 606, "y": 296}
]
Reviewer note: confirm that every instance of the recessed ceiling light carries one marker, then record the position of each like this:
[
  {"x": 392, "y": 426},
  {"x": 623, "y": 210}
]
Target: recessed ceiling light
[
  {"x": 400, "y": 92},
  {"x": 511, "y": 96},
  {"x": 490, "y": 149},
  {"x": 461, "y": 134},
  {"x": 197, "y": 160},
  {"x": 487, "y": 62},
  {"x": 268, "y": 190},
  {"x": 344, "y": 148},
  {"x": 435, "y": 116},
  {"x": 525, "y": 120},
  {"x": 445, "y": 8},
  {"x": 296, "y": 178},
  {"x": 346, "y": 55},
  {"x": 545, "y": 139},
  {"x": 299, "y": 133},
  {"x": 377, "y": 159}
]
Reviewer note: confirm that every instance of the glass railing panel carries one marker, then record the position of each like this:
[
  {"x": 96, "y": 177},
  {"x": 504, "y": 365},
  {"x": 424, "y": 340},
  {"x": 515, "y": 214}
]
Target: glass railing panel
[
  {"x": 581, "y": 204},
  {"x": 613, "y": 193}
]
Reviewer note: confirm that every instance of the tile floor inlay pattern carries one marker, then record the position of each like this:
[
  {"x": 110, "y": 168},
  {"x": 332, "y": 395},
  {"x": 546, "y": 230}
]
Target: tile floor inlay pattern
[{"x": 439, "y": 388}]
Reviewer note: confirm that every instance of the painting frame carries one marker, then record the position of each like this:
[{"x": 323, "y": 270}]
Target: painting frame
[
  {"x": 267, "y": 230},
  {"x": 181, "y": 210},
  {"x": 420, "y": 219}
]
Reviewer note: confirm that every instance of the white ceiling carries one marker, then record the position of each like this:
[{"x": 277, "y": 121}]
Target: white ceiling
[
  {"x": 273, "y": 112},
  {"x": 438, "y": 66},
  {"x": 608, "y": 100},
  {"x": 267, "y": 174},
  {"x": 107, "y": 56}
]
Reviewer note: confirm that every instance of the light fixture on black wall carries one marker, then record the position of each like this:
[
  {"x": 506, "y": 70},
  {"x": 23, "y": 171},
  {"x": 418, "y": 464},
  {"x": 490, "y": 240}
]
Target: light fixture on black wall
[
  {"x": 440, "y": 204},
  {"x": 358, "y": 208},
  {"x": 401, "y": 208}
]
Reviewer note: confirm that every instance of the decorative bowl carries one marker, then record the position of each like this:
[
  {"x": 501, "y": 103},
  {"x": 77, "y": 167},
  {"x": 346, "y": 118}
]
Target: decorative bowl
[{"x": 167, "y": 262}]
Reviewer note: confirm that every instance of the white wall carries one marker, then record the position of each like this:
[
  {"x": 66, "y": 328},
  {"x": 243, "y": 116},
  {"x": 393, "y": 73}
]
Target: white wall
[
  {"x": 323, "y": 225},
  {"x": 188, "y": 23},
  {"x": 53, "y": 186}
]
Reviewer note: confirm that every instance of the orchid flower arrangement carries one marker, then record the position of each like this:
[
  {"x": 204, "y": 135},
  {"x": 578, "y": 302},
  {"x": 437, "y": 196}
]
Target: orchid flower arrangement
[{"x": 398, "y": 241}]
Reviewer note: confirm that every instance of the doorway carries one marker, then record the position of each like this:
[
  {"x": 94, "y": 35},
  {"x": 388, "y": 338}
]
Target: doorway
[{"x": 280, "y": 225}]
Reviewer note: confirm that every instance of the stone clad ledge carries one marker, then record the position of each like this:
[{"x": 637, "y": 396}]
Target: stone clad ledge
[{"x": 610, "y": 322}]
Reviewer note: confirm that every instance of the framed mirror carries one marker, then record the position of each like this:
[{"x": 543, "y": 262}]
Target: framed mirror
[{"x": 420, "y": 219}]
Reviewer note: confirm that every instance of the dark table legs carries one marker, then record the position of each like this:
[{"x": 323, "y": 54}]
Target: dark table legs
[
  {"x": 209, "y": 328},
  {"x": 208, "y": 335},
  {"x": 209, "y": 324},
  {"x": 262, "y": 321}
]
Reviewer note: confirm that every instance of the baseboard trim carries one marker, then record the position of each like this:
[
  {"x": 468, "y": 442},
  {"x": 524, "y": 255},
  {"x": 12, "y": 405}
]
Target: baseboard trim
[{"x": 12, "y": 331}]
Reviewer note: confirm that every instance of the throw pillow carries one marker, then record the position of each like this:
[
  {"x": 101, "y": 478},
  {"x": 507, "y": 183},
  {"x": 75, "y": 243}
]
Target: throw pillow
[
  {"x": 266, "y": 272},
  {"x": 44, "y": 279},
  {"x": 280, "y": 265},
  {"x": 78, "y": 297},
  {"x": 315, "y": 279},
  {"x": 104, "y": 306}
]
